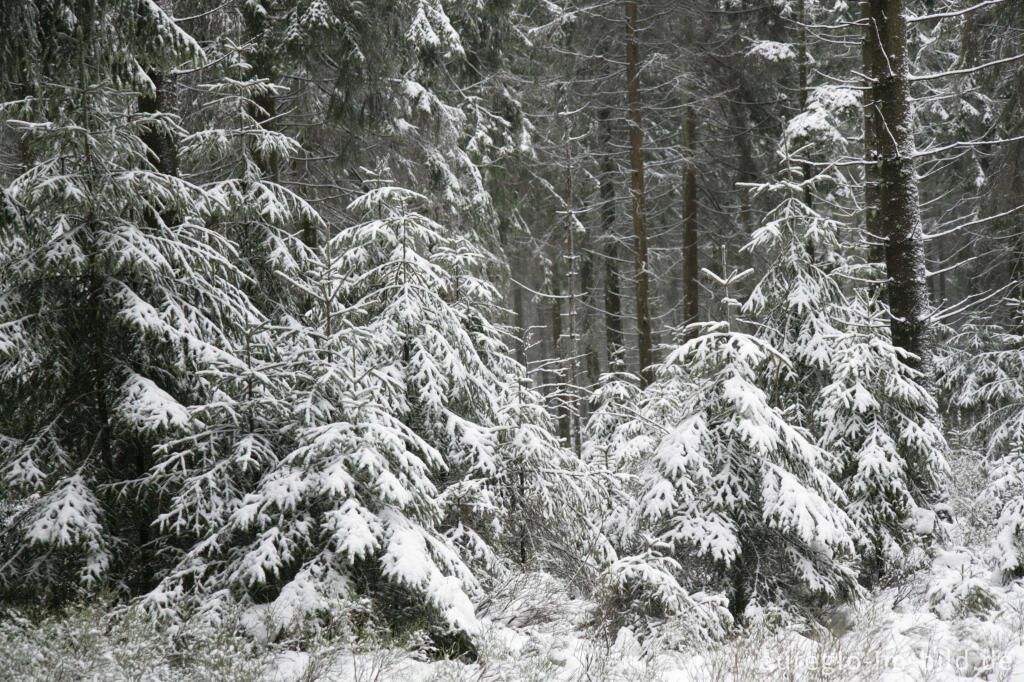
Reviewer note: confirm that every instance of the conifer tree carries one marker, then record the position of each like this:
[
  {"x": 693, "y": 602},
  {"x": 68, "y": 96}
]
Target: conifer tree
[
  {"x": 735, "y": 482},
  {"x": 981, "y": 376},
  {"x": 116, "y": 293},
  {"x": 410, "y": 459}
]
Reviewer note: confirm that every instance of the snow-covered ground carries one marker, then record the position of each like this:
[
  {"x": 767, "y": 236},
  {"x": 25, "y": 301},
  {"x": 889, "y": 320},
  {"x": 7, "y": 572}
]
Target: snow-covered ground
[
  {"x": 951, "y": 622},
  {"x": 892, "y": 635}
]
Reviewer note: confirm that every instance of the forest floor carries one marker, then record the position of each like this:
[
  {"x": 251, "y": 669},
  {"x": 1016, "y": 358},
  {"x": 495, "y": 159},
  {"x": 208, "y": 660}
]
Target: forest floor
[
  {"x": 951, "y": 620},
  {"x": 946, "y": 623}
]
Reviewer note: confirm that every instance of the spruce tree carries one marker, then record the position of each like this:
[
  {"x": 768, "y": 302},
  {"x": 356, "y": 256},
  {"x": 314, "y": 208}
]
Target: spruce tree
[{"x": 116, "y": 293}]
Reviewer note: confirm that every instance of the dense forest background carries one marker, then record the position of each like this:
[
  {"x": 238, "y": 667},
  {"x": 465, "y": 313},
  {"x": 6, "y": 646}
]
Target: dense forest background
[{"x": 698, "y": 308}]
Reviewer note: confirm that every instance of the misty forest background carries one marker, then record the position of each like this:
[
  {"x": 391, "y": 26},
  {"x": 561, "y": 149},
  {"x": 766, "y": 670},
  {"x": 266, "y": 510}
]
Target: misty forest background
[{"x": 367, "y": 306}]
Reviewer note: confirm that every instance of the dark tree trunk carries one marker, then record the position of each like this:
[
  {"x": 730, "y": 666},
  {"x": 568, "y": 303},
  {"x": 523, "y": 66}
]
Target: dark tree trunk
[
  {"x": 740, "y": 594},
  {"x": 560, "y": 398},
  {"x": 691, "y": 290},
  {"x": 898, "y": 202},
  {"x": 574, "y": 404},
  {"x": 872, "y": 228},
  {"x": 612, "y": 295},
  {"x": 161, "y": 144},
  {"x": 803, "y": 63},
  {"x": 636, "y": 162},
  {"x": 592, "y": 363}
]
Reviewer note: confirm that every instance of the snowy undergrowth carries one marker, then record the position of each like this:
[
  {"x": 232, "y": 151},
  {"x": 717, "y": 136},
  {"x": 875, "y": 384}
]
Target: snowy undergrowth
[
  {"x": 951, "y": 621},
  {"x": 536, "y": 631}
]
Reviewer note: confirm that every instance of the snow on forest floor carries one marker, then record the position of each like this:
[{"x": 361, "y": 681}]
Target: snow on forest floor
[{"x": 949, "y": 623}]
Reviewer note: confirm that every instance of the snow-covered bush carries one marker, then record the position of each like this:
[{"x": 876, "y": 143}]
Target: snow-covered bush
[{"x": 960, "y": 587}]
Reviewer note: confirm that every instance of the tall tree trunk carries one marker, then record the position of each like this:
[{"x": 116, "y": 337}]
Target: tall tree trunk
[
  {"x": 559, "y": 395},
  {"x": 612, "y": 295},
  {"x": 898, "y": 202},
  {"x": 803, "y": 62},
  {"x": 572, "y": 357},
  {"x": 164, "y": 156},
  {"x": 872, "y": 228},
  {"x": 636, "y": 162},
  {"x": 588, "y": 319},
  {"x": 691, "y": 290},
  {"x": 519, "y": 309},
  {"x": 160, "y": 143}
]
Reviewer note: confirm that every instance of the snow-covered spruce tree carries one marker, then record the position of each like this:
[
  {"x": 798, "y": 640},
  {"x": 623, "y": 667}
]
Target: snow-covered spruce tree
[
  {"x": 237, "y": 154},
  {"x": 878, "y": 422},
  {"x": 732, "y": 482},
  {"x": 416, "y": 455},
  {"x": 982, "y": 374},
  {"x": 847, "y": 385},
  {"x": 116, "y": 295},
  {"x": 639, "y": 578},
  {"x": 795, "y": 302},
  {"x": 612, "y": 405},
  {"x": 241, "y": 428}
]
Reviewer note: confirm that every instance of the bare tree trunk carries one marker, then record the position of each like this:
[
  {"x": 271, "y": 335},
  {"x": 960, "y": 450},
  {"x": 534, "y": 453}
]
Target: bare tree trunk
[
  {"x": 691, "y": 290},
  {"x": 872, "y": 228},
  {"x": 898, "y": 201},
  {"x": 519, "y": 310},
  {"x": 802, "y": 62},
  {"x": 612, "y": 292},
  {"x": 160, "y": 143},
  {"x": 588, "y": 318},
  {"x": 559, "y": 397},
  {"x": 575, "y": 404},
  {"x": 636, "y": 161}
]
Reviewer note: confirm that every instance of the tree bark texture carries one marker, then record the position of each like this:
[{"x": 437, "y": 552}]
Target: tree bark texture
[
  {"x": 898, "y": 200},
  {"x": 636, "y": 162}
]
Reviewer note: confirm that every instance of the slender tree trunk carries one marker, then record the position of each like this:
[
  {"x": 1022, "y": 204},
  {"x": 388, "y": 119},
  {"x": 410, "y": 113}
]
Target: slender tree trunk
[
  {"x": 898, "y": 202},
  {"x": 872, "y": 228},
  {"x": 592, "y": 364},
  {"x": 519, "y": 310},
  {"x": 160, "y": 143},
  {"x": 747, "y": 172},
  {"x": 636, "y": 162},
  {"x": 572, "y": 358},
  {"x": 612, "y": 295},
  {"x": 803, "y": 62},
  {"x": 691, "y": 290},
  {"x": 559, "y": 394}
]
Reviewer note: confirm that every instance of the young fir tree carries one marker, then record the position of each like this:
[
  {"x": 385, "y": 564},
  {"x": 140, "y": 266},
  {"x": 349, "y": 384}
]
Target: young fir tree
[
  {"x": 734, "y": 482},
  {"x": 878, "y": 420},
  {"x": 413, "y": 454},
  {"x": 117, "y": 295},
  {"x": 730, "y": 495},
  {"x": 848, "y": 384},
  {"x": 639, "y": 576},
  {"x": 982, "y": 376}
]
